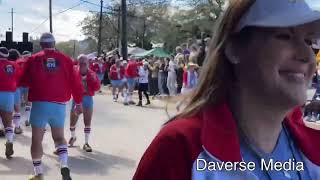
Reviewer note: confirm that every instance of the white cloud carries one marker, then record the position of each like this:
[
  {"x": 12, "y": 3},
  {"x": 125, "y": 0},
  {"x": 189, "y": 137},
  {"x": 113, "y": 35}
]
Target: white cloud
[
  {"x": 31, "y": 13},
  {"x": 67, "y": 25}
]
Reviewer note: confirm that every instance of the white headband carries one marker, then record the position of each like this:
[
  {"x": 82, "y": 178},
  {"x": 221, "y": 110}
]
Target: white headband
[
  {"x": 4, "y": 55},
  {"x": 47, "y": 40}
]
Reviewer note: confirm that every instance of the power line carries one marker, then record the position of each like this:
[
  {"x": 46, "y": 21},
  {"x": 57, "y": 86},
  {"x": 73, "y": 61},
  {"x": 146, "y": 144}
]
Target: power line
[
  {"x": 39, "y": 26},
  {"x": 63, "y": 11},
  {"x": 109, "y": 7}
]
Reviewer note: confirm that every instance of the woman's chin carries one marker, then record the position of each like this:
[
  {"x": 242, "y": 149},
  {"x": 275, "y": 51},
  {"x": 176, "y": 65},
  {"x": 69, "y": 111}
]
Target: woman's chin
[{"x": 294, "y": 101}]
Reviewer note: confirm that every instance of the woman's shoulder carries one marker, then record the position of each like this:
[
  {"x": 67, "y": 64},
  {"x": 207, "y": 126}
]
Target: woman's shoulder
[
  {"x": 181, "y": 135},
  {"x": 174, "y": 149},
  {"x": 182, "y": 126}
]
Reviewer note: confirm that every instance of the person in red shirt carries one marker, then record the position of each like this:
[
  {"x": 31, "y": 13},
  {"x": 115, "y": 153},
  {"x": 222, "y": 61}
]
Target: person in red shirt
[
  {"x": 117, "y": 79},
  {"x": 52, "y": 79},
  {"x": 91, "y": 84},
  {"x": 102, "y": 69},
  {"x": 131, "y": 74},
  {"x": 14, "y": 56},
  {"x": 8, "y": 85},
  {"x": 99, "y": 67},
  {"x": 24, "y": 90}
]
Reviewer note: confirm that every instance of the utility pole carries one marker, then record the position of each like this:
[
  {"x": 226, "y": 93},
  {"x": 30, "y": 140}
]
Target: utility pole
[
  {"x": 11, "y": 12},
  {"x": 50, "y": 15},
  {"x": 12, "y": 22},
  {"x": 100, "y": 29},
  {"x": 144, "y": 31},
  {"x": 74, "y": 49},
  {"x": 124, "y": 43},
  {"x": 119, "y": 26}
]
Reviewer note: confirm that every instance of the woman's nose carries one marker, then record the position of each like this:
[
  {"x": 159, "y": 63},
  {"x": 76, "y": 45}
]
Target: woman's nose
[{"x": 303, "y": 52}]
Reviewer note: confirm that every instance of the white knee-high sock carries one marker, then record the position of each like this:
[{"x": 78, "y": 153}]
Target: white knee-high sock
[
  {"x": 37, "y": 166},
  {"x": 87, "y": 131},
  {"x": 9, "y": 134},
  {"x": 63, "y": 155},
  {"x": 28, "y": 112},
  {"x": 17, "y": 120},
  {"x": 73, "y": 131}
]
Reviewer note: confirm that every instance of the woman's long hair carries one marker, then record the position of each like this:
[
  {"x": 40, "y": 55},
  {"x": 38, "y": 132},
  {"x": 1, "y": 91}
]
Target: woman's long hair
[{"x": 217, "y": 75}]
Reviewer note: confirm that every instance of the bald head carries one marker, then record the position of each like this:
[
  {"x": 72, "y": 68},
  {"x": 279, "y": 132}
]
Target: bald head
[
  {"x": 83, "y": 63},
  {"x": 47, "y": 40},
  {"x": 83, "y": 59}
]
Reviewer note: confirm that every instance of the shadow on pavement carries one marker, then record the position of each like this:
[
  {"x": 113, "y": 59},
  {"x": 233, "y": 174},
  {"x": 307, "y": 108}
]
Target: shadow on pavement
[
  {"x": 26, "y": 140},
  {"x": 23, "y": 140},
  {"x": 97, "y": 163},
  {"x": 18, "y": 166}
]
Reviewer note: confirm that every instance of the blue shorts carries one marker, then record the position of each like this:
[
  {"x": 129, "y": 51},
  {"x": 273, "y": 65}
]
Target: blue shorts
[
  {"x": 117, "y": 83},
  {"x": 43, "y": 113},
  {"x": 24, "y": 90},
  {"x": 131, "y": 83},
  {"x": 6, "y": 101},
  {"x": 17, "y": 97},
  {"x": 87, "y": 103},
  {"x": 100, "y": 76}
]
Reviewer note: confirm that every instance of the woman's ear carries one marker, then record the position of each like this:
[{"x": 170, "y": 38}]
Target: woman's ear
[{"x": 231, "y": 51}]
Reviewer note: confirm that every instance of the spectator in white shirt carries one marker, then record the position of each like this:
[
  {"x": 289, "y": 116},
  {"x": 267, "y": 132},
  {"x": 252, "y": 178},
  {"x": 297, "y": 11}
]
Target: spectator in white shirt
[
  {"x": 143, "y": 83},
  {"x": 172, "y": 78}
]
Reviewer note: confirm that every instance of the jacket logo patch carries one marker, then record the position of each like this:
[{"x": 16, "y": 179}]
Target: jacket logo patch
[
  {"x": 51, "y": 64},
  {"x": 9, "y": 69}
]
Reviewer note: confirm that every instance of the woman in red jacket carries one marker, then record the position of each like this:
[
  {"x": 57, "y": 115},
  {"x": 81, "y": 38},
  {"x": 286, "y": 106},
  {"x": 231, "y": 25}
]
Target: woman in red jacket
[
  {"x": 243, "y": 121},
  {"x": 91, "y": 84},
  {"x": 117, "y": 79},
  {"x": 8, "y": 86}
]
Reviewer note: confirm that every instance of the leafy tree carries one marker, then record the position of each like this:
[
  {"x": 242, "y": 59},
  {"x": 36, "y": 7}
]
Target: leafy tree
[
  {"x": 66, "y": 47},
  {"x": 156, "y": 21}
]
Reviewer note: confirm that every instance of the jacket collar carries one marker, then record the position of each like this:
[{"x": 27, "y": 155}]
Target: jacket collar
[{"x": 220, "y": 138}]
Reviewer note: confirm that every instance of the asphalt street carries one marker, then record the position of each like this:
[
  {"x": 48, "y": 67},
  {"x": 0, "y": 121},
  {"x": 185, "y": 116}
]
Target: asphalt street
[{"x": 120, "y": 135}]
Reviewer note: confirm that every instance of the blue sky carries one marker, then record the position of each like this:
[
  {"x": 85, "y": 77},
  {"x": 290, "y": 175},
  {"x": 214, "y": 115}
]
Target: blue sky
[{"x": 31, "y": 13}]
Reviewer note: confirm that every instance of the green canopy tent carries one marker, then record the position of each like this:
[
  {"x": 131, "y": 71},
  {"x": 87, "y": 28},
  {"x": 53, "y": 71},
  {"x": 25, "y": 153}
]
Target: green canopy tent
[{"x": 157, "y": 52}]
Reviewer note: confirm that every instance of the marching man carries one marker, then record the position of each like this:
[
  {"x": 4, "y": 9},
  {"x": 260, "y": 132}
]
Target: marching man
[
  {"x": 8, "y": 86},
  {"x": 24, "y": 90},
  {"x": 131, "y": 74},
  {"x": 52, "y": 80},
  {"x": 117, "y": 79},
  {"x": 91, "y": 84}
]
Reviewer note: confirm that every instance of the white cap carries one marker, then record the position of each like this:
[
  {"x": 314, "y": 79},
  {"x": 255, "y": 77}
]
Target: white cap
[
  {"x": 280, "y": 13},
  {"x": 316, "y": 44}
]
